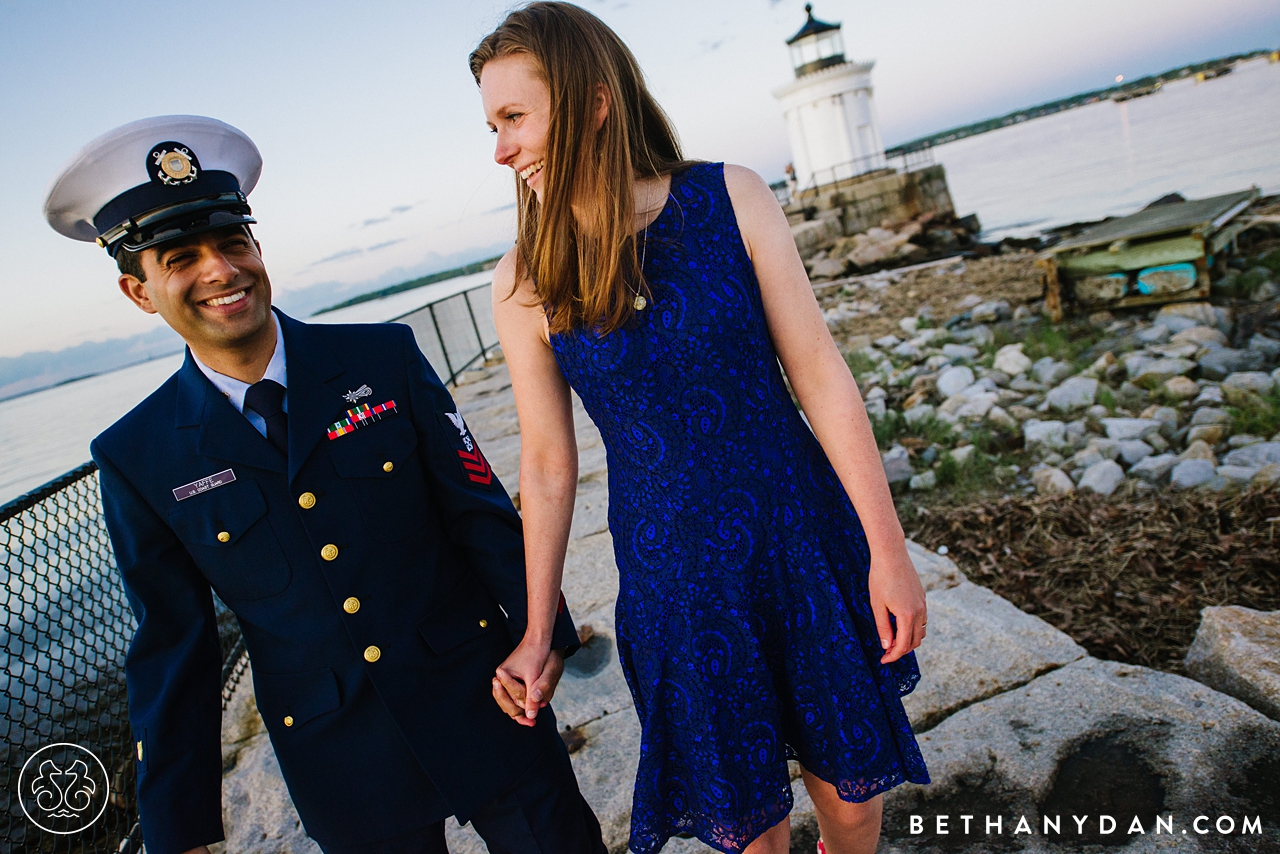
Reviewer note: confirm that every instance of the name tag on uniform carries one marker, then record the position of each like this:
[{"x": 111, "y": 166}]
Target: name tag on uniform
[{"x": 204, "y": 484}]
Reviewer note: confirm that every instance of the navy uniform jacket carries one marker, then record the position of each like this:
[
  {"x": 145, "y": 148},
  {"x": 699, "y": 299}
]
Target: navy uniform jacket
[{"x": 374, "y": 616}]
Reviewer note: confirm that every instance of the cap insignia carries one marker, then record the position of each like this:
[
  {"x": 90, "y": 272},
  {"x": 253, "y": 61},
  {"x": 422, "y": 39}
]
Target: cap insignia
[{"x": 176, "y": 166}]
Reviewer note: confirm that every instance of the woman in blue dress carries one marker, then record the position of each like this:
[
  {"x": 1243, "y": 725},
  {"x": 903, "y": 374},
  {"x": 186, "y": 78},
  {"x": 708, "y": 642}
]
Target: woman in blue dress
[{"x": 767, "y": 608}]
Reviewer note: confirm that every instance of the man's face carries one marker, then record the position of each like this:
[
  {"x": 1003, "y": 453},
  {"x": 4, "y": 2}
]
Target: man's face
[{"x": 211, "y": 288}]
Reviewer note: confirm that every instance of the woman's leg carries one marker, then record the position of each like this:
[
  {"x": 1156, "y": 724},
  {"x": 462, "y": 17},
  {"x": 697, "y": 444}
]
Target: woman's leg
[
  {"x": 775, "y": 840},
  {"x": 846, "y": 828}
]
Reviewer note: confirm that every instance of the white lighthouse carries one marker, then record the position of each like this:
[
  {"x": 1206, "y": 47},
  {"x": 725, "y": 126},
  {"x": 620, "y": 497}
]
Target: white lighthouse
[{"x": 830, "y": 115}]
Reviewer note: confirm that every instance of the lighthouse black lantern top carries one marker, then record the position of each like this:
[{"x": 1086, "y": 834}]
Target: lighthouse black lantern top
[{"x": 817, "y": 45}]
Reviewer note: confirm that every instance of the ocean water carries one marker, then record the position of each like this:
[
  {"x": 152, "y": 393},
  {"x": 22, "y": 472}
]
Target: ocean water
[{"x": 1199, "y": 139}]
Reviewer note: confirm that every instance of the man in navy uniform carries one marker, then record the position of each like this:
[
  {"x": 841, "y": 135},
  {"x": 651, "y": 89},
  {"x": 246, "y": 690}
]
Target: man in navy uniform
[{"x": 320, "y": 479}]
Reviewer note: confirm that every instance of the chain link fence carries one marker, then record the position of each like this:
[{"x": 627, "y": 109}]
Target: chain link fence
[
  {"x": 67, "y": 627},
  {"x": 67, "y": 622}
]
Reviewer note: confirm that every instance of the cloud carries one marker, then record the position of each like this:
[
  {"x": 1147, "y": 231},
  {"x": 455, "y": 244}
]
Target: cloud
[
  {"x": 395, "y": 211},
  {"x": 338, "y": 256},
  {"x": 384, "y": 244}
]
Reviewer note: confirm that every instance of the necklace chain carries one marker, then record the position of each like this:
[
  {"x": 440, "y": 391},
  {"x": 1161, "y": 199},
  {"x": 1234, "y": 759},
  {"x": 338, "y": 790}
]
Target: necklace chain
[{"x": 640, "y": 301}]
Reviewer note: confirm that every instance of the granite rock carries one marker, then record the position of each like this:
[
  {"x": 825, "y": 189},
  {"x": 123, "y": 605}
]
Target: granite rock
[
  {"x": 1093, "y": 737},
  {"x": 1154, "y": 469},
  {"x": 1012, "y": 360},
  {"x": 1254, "y": 456},
  {"x": 979, "y": 644},
  {"x": 1075, "y": 393},
  {"x": 1237, "y": 651},
  {"x": 1221, "y": 363},
  {"x": 1102, "y": 478},
  {"x": 1192, "y": 473},
  {"x": 1049, "y": 480}
]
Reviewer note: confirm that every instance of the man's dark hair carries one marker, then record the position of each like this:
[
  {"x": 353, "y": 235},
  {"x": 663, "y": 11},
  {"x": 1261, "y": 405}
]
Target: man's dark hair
[{"x": 130, "y": 264}]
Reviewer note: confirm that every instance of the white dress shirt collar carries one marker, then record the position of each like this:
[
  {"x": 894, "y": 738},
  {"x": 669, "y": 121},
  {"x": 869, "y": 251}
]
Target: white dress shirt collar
[{"x": 235, "y": 389}]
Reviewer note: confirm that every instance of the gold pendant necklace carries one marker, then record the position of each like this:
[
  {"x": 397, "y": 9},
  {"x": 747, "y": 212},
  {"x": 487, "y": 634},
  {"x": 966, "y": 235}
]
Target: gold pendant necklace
[{"x": 640, "y": 302}]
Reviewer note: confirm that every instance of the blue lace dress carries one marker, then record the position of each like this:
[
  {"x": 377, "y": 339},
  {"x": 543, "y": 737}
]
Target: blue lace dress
[{"x": 744, "y": 624}]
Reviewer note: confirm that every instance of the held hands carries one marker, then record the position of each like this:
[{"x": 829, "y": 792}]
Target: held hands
[
  {"x": 896, "y": 592},
  {"x": 526, "y": 681}
]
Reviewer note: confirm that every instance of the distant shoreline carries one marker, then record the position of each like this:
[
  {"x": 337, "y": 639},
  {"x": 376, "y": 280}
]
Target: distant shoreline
[
  {"x": 1132, "y": 88},
  {"x": 413, "y": 284}
]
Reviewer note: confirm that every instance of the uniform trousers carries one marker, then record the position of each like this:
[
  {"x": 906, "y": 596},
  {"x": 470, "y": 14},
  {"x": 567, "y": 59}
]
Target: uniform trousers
[{"x": 543, "y": 812}]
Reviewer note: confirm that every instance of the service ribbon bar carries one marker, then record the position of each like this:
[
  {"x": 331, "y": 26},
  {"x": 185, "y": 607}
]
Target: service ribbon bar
[{"x": 359, "y": 417}]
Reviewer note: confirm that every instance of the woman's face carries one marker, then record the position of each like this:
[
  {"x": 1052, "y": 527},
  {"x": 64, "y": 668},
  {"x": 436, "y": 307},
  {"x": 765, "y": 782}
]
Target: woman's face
[{"x": 517, "y": 107}]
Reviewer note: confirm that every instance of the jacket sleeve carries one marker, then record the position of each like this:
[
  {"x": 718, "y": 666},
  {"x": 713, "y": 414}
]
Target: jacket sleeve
[
  {"x": 474, "y": 506},
  {"x": 173, "y": 671}
]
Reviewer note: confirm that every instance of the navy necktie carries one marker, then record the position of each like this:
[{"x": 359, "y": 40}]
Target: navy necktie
[{"x": 266, "y": 397}]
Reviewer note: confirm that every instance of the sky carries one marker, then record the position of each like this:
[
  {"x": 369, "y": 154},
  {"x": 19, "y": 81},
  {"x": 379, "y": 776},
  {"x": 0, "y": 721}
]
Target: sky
[{"x": 377, "y": 161}]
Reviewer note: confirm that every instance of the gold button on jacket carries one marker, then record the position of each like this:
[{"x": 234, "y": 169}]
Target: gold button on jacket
[
  {"x": 224, "y": 537},
  {"x": 388, "y": 466},
  {"x": 306, "y": 500},
  {"x": 351, "y": 605},
  {"x": 484, "y": 624},
  {"x": 372, "y": 654},
  {"x": 329, "y": 552},
  {"x": 288, "y": 720}
]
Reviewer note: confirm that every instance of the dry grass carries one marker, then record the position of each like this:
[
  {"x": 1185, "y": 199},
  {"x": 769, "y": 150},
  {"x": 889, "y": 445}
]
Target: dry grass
[
  {"x": 1125, "y": 577},
  {"x": 1015, "y": 278}
]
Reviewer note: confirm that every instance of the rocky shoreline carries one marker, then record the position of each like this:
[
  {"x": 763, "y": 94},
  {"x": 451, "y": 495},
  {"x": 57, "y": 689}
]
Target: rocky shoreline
[
  {"x": 1014, "y": 717},
  {"x": 1184, "y": 396}
]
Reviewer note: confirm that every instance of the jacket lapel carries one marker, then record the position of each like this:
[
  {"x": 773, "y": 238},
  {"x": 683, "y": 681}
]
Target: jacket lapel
[
  {"x": 224, "y": 433},
  {"x": 313, "y": 403}
]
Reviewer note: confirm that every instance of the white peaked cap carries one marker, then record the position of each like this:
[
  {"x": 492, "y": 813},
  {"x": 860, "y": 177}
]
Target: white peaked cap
[{"x": 120, "y": 161}]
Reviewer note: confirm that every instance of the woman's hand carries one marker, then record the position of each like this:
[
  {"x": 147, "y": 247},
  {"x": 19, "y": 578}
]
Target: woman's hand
[
  {"x": 528, "y": 665},
  {"x": 896, "y": 592}
]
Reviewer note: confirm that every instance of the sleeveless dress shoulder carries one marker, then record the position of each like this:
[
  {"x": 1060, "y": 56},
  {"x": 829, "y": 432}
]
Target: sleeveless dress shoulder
[{"x": 743, "y": 620}]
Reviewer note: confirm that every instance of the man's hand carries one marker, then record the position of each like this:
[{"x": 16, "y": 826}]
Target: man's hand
[
  {"x": 896, "y": 592},
  {"x": 510, "y": 688}
]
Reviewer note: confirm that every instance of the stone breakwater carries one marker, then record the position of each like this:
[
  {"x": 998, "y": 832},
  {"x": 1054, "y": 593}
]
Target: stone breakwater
[{"x": 1014, "y": 718}]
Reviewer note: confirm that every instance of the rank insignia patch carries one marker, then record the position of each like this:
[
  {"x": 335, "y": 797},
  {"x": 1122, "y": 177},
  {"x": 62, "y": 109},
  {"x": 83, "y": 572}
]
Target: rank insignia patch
[
  {"x": 359, "y": 417},
  {"x": 476, "y": 466}
]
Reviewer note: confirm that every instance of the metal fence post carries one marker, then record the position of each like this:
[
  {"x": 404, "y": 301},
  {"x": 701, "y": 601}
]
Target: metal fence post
[
  {"x": 443, "y": 347},
  {"x": 484, "y": 351}
]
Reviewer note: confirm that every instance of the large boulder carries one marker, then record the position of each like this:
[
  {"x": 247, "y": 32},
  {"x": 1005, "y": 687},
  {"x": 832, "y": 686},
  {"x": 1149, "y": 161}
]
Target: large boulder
[
  {"x": 1237, "y": 651},
  {"x": 1089, "y": 739},
  {"x": 979, "y": 645}
]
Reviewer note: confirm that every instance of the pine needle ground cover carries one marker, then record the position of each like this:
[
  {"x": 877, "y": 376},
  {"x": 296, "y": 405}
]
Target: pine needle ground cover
[{"x": 1124, "y": 576}]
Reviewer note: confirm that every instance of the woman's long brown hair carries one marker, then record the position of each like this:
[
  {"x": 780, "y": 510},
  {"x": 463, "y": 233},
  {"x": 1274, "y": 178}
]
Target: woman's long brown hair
[{"x": 579, "y": 244}]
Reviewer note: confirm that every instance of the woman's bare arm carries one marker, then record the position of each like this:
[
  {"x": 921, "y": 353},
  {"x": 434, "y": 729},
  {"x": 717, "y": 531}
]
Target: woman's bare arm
[
  {"x": 548, "y": 476},
  {"x": 831, "y": 402}
]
